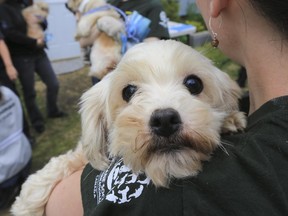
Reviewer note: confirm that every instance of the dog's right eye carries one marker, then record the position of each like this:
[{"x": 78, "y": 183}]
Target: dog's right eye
[
  {"x": 128, "y": 92},
  {"x": 193, "y": 84}
]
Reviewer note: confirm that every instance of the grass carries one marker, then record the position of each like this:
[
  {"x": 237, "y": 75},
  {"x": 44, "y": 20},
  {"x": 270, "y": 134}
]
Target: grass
[{"x": 60, "y": 134}]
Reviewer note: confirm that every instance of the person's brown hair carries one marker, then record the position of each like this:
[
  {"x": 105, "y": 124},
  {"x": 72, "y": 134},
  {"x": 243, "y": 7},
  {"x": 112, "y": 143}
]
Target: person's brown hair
[{"x": 275, "y": 11}]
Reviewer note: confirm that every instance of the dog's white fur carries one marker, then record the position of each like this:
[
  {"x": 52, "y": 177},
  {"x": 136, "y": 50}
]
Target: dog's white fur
[
  {"x": 33, "y": 16},
  {"x": 102, "y": 30},
  {"x": 113, "y": 125}
]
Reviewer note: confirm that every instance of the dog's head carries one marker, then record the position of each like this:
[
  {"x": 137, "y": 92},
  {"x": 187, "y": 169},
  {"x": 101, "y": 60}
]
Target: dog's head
[
  {"x": 73, "y": 5},
  {"x": 161, "y": 109},
  {"x": 38, "y": 10},
  {"x": 43, "y": 6}
]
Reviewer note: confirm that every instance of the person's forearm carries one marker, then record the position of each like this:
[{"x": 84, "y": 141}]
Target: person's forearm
[{"x": 5, "y": 55}]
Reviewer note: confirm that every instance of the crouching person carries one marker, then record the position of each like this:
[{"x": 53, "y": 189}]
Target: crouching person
[{"x": 15, "y": 149}]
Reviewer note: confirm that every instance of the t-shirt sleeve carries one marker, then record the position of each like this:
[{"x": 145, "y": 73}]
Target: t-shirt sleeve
[{"x": 159, "y": 22}]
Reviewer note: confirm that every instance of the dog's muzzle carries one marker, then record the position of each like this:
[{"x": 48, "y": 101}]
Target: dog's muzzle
[{"x": 165, "y": 122}]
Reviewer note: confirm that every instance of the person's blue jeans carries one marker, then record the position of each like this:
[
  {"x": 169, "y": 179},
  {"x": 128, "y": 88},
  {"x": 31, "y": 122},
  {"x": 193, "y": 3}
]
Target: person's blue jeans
[{"x": 26, "y": 66}]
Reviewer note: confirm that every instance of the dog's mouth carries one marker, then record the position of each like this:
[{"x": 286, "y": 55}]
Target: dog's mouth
[{"x": 164, "y": 145}]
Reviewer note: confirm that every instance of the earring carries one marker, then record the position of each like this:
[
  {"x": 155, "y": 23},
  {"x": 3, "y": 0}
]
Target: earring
[{"x": 215, "y": 41}]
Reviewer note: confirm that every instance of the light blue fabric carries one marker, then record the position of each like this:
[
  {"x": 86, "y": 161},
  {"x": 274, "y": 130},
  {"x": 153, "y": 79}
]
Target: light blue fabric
[
  {"x": 15, "y": 149},
  {"x": 136, "y": 26}
]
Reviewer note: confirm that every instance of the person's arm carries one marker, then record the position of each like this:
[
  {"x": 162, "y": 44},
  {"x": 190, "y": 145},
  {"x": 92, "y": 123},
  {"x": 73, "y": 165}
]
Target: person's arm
[
  {"x": 65, "y": 199},
  {"x": 14, "y": 32},
  {"x": 5, "y": 55}
]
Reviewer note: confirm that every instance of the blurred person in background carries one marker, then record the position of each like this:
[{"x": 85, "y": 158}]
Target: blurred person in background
[
  {"x": 8, "y": 77},
  {"x": 151, "y": 9},
  {"x": 29, "y": 56},
  {"x": 15, "y": 149}
]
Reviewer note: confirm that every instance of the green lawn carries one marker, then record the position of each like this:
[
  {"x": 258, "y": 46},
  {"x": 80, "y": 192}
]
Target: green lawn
[{"x": 60, "y": 134}]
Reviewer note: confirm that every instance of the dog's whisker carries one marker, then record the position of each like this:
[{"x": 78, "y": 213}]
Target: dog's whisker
[
  {"x": 226, "y": 143},
  {"x": 222, "y": 147},
  {"x": 205, "y": 143}
]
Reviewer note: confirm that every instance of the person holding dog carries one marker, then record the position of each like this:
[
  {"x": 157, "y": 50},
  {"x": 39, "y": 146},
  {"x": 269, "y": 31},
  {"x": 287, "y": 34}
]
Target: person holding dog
[
  {"x": 248, "y": 178},
  {"x": 28, "y": 56},
  {"x": 151, "y": 9}
]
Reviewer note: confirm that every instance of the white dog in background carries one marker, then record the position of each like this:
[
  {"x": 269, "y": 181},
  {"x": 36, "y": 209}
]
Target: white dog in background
[
  {"x": 162, "y": 110},
  {"x": 100, "y": 27},
  {"x": 34, "y": 15}
]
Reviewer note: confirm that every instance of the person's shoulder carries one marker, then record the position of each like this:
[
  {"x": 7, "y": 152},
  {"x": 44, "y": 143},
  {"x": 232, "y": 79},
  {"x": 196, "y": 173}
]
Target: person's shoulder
[
  {"x": 9, "y": 95},
  {"x": 6, "y": 91}
]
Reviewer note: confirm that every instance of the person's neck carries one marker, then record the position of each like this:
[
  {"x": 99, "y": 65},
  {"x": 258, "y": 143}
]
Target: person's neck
[{"x": 267, "y": 67}]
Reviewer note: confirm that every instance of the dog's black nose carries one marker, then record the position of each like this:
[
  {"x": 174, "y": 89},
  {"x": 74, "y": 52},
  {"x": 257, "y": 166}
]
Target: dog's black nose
[{"x": 165, "y": 122}]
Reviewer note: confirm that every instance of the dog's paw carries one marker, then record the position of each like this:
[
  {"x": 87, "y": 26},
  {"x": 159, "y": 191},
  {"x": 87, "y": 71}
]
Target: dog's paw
[
  {"x": 84, "y": 28},
  {"x": 111, "y": 26},
  {"x": 234, "y": 122},
  {"x": 77, "y": 37}
]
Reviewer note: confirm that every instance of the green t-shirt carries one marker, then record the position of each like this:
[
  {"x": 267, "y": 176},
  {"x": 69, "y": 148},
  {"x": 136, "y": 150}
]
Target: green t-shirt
[
  {"x": 151, "y": 9},
  {"x": 251, "y": 178}
]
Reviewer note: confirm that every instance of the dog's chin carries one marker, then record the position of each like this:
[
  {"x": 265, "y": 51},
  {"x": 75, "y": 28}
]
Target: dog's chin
[
  {"x": 164, "y": 166},
  {"x": 175, "y": 157},
  {"x": 165, "y": 158}
]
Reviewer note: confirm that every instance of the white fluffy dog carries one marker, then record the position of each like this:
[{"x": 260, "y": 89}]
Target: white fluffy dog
[
  {"x": 34, "y": 15},
  {"x": 162, "y": 110},
  {"x": 98, "y": 26}
]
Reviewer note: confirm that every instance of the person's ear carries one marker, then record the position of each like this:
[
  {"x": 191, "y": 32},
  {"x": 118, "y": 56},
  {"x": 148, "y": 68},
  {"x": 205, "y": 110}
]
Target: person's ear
[{"x": 216, "y": 6}]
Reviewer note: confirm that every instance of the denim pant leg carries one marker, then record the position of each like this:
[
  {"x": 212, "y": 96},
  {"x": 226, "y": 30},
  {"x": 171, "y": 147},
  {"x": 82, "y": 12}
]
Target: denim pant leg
[
  {"x": 46, "y": 73},
  {"x": 26, "y": 67}
]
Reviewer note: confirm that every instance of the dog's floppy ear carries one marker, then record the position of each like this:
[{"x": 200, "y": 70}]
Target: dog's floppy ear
[
  {"x": 94, "y": 124},
  {"x": 229, "y": 94}
]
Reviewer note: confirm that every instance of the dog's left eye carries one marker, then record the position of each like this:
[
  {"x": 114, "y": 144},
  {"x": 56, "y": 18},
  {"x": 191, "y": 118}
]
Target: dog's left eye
[
  {"x": 128, "y": 92},
  {"x": 193, "y": 84}
]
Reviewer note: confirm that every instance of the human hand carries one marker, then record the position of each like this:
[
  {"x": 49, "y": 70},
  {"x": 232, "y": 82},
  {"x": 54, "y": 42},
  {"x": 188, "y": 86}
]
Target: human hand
[
  {"x": 40, "y": 42},
  {"x": 11, "y": 72}
]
